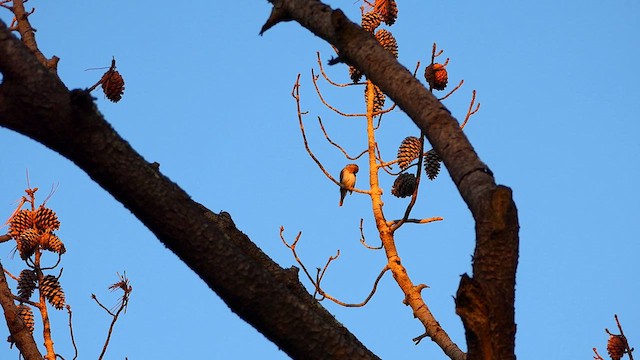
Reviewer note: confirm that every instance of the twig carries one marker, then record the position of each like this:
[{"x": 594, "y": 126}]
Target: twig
[
  {"x": 123, "y": 284},
  {"x": 417, "y": 221},
  {"x": 363, "y": 241},
  {"x": 365, "y": 301},
  {"x": 471, "y": 111},
  {"x": 73, "y": 339},
  {"x": 626, "y": 343},
  {"x": 327, "y": 77},
  {"x": 314, "y": 78},
  {"x": 452, "y": 91},
  {"x": 337, "y": 145}
]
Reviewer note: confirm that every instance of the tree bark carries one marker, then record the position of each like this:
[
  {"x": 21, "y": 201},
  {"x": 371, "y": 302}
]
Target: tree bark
[{"x": 19, "y": 332}]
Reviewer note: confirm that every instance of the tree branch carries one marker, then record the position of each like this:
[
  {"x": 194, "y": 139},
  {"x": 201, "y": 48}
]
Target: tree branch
[
  {"x": 19, "y": 332},
  {"x": 34, "y": 102}
]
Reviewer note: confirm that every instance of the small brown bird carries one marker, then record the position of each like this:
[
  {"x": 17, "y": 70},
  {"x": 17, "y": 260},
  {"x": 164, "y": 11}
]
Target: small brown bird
[{"x": 347, "y": 180}]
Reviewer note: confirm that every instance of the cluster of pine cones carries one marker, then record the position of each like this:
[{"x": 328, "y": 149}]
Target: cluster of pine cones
[
  {"x": 409, "y": 150},
  {"x": 35, "y": 229}
]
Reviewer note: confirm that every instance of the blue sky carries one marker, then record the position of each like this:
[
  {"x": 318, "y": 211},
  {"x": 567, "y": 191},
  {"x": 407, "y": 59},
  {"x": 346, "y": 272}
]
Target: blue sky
[{"x": 209, "y": 99}]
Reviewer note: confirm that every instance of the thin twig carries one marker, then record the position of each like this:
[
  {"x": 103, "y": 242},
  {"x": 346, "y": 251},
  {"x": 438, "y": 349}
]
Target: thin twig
[
  {"x": 471, "y": 111},
  {"x": 364, "y": 242},
  {"x": 337, "y": 145},
  {"x": 417, "y": 221},
  {"x": 123, "y": 284},
  {"x": 73, "y": 339},
  {"x": 452, "y": 91},
  {"x": 327, "y": 77}
]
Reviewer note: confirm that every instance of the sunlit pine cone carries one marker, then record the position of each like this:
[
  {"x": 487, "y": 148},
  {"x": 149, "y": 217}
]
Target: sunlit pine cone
[
  {"x": 112, "y": 85},
  {"x": 26, "y": 314},
  {"x": 52, "y": 291},
  {"x": 404, "y": 185},
  {"x": 46, "y": 219},
  {"x": 355, "y": 74},
  {"x": 432, "y": 164},
  {"x": 27, "y": 243},
  {"x": 371, "y": 21},
  {"x": 386, "y": 39},
  {"x": 616, "y": 347},
  {"x": 51, "y": 242},
  {"x": 388, "y": 10},
  {"x": 378, "y": 97},
  {"x": 26, "y": 283},
  {"x": 409, "y": 150},
  {"x": 21, "y": 221},
  {"x": 436, "y": 75}
]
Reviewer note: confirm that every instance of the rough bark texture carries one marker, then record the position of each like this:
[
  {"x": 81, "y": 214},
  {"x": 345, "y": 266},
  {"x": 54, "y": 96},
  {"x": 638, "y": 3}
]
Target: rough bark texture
[
  {"x": 486, "y": 300},
  {"x": 19, "y": 332},
  {"x": 34, "y": 102}
]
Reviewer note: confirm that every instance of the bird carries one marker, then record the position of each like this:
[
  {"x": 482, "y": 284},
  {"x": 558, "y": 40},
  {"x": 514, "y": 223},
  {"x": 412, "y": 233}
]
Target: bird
[{"x": 347, "y": 180}]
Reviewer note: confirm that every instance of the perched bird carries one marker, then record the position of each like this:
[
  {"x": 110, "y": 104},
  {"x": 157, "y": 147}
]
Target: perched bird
[{"x": 347, "y": 180}]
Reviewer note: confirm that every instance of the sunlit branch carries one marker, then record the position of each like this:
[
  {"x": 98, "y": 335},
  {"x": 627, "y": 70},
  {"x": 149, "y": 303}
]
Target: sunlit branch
[
  {"x": 452, "y": 91},
  {"x": 417, "y": 221},
  {"x": 471, "y": 110},
  {"x": 314, "y": 78},
  {"x": 337, "y": 145}
]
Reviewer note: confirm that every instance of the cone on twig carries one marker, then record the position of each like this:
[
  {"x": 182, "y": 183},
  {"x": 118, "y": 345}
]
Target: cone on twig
[
  {"x": 386, "y": 39},
  {"x": 409, "y": 150},
  {"x": 52, "y": 291},
  {"x": 21, "y": 221},
  {"x": 26, "y": 283},
  {"x": 388, "y": 10},
  {"x": 404, "y": 185},
  {"x": 46, "y": 219},
  {"x": 112, "y": 83},
  {"x": 436, "y": 75},
  {"x": 616, "y": 347},
  {"x": 432, "y": 164},
  {"x": 371, "y": 21},
  {"x": 378, "y": 97}
]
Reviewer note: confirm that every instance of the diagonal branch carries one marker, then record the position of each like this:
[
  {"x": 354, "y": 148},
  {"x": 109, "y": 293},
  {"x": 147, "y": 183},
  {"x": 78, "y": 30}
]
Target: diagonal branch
[{"x": 34, "y": 102}]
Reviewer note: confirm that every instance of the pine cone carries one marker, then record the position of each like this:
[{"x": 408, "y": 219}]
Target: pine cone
[
  {"x": 378, "y": 98},
  {"x": 409, "y": 150},
  {"x": 27, "y": 243},
  {"x": 404, "y": 185},
  {"x": 26, "y": 283},
  {"x": 46, "y": 219},
  {"x": 388, "y": 10},
  {"x": 52, "y": 291},
  {"x": 386, "y": 39},
  {"x": 21, "y": 221},
  {"x": 26, "y": 314},
  {"x": 112, "y": 85},
  {"x": 436, "y": 75},
  {"x": 51, "y": 242},
  {"x": 616, "y": 347},
  {"x": 355, "y": 74},
  {"x": 432, "y": 164},
  {"x": 371, "y": 21}
]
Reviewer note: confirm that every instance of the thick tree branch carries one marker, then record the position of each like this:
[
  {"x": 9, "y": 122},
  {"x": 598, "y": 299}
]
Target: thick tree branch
[
  {"x": 496, "y": 254},
  {"x": 19, "y": 332},
  {"x": 34, "y": 102}
]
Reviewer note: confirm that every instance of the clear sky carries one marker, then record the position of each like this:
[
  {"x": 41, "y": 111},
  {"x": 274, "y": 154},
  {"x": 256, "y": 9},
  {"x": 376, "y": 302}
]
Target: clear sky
[{"x": 209, "y": 99}]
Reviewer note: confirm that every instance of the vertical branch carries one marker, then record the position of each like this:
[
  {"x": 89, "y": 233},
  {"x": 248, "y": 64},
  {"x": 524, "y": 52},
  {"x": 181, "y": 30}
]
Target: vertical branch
[
  {"x": 413, "y": 296},
  {"x": 42, "y": 306},
  {"x": 28, "y": 36}
]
